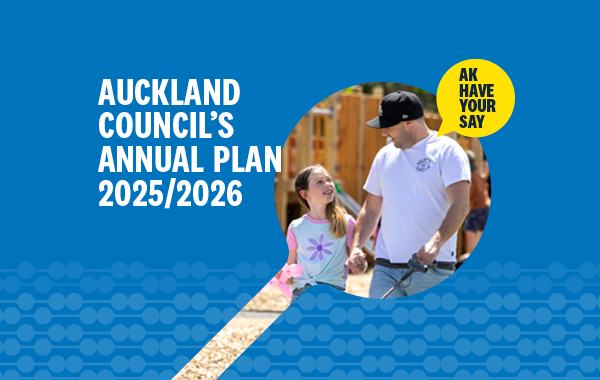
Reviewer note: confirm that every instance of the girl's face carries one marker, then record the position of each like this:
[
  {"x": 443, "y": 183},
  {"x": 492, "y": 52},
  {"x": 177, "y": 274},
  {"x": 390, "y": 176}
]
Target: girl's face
[{"x": 321, "y": 189}]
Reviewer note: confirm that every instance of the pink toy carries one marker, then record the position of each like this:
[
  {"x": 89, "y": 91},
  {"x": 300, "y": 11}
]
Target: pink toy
[{"x": 280, "y": 280}]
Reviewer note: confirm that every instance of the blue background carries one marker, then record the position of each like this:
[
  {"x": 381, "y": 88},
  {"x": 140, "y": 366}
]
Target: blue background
[{"x": 286, "y": 58}]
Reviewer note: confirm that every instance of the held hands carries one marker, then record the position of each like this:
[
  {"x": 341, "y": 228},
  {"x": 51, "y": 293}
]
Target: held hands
[
  {"x": 428, "y": 253},
  {"x": 357, "y": 262}
]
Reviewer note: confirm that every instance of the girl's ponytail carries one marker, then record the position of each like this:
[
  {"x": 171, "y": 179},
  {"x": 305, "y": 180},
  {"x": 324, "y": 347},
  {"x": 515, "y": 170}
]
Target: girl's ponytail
[{"x": 336, "y": 215}]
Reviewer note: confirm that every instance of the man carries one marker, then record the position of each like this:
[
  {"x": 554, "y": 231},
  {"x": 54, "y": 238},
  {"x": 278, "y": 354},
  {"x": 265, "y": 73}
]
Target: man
[{"x": 419, "y": 186}]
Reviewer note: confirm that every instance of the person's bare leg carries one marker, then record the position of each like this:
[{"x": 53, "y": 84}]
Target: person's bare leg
[{"x": 471, "y": 240}]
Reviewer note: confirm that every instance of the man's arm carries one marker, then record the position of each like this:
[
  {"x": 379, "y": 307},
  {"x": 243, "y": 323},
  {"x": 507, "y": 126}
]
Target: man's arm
[
  {"x": 365, "y": 226},
  {"x": 458, "y": 193}
]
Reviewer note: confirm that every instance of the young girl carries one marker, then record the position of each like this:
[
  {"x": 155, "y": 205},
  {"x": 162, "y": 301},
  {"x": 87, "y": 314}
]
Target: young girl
[{"x": 319, "y": 240}]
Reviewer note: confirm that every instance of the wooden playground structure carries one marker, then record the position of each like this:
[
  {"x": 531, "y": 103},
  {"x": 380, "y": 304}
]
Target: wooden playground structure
[{"x": 334, "y": 134}]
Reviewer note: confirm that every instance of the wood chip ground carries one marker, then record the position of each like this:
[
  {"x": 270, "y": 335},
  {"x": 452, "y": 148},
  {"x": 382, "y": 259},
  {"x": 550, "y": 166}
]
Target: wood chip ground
[{"x": 243, "y": 330}]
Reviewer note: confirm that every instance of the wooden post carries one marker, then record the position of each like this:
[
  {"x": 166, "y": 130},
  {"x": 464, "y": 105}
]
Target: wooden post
[
  {"x": 377, "y": 92},
  {"x": 374, "y": 141},
  {"x": 349, "y": 115},
  {"x": 331, "y": 136},
  {"x": 281, "y": 186},
  {"x": 304, "y": 143},
  {"x": 281, "y": 200},
  {"x": 361, "y": 148},
  {"x": 312, "y": 139}
]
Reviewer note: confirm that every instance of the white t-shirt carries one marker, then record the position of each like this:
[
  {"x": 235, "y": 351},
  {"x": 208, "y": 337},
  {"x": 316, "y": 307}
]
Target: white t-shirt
[{"x": 413, "y": 185}]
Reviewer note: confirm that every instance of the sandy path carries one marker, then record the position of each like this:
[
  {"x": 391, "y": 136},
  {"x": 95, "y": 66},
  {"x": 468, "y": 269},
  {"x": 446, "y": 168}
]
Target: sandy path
[{"x": 243, "y": 330}]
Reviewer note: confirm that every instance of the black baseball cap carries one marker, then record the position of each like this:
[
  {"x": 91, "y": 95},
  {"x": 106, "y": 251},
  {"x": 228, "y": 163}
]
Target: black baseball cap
[{"x": 397, "y": 107}]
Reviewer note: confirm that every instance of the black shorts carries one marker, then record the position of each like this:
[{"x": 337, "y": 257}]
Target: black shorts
[{"x": 476, "y": 219}]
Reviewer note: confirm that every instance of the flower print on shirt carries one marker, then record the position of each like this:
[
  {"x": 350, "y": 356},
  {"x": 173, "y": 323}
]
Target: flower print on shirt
[{"x": 319, "y": 247}]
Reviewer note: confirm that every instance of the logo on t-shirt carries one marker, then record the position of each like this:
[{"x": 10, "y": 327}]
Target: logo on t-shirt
[{"x": 424, "y": 164}]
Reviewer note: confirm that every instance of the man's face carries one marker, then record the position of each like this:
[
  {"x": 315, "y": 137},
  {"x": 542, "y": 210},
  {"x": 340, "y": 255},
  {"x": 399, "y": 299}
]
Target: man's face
[{"x": 398, "y": 134}]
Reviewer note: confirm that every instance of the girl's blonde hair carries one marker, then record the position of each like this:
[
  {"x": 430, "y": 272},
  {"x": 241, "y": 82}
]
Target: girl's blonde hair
[{"x": 336, "y": 215}]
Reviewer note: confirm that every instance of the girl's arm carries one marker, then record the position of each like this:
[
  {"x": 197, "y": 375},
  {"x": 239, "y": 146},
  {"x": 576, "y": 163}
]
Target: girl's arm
[
  {"x": 292, "y": 246},
  {"x": 292, "y": 258}
]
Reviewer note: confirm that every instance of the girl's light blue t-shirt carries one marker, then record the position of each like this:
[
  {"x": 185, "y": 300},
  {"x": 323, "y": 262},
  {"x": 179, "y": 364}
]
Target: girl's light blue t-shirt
[{"x": 323, "y": 258}]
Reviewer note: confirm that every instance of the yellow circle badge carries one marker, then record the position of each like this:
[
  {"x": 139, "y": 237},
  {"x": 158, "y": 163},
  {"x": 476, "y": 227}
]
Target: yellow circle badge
[{"x": 475, "y": 98}]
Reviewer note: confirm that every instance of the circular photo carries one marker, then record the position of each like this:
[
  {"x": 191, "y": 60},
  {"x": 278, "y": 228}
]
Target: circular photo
[{"x": 372, "y": 201}]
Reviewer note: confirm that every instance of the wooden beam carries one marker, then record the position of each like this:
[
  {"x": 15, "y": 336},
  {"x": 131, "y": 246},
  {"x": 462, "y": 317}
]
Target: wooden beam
[
  {"x": 304, "y": 144},
  {"x": 377, "y": 92},
  {"x": 312, "y": 139},
  {"x": 331, "y": 136},
  {"x": 374, "y": 141},
  {"x": 348, "y": 142},
  {"x": 281, "y": 186},
  {"x": 281, "y": 201},
  {"x": 361, "y": 149}
]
